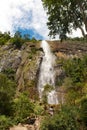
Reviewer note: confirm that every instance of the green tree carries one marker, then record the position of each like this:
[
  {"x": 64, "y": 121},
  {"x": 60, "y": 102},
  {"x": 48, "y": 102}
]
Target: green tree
[
  {"x": 26, "y": 37},
  {"x": 63, "y": 120},
  {"x": 7, "y": 91},
  {"x": 23, "y": 107},
  {"x": 47, "y": 88},
  {"x": 5, "y": 122},
  {"x": 17, "y": 40},
  {"x": 17, "y": 34},
  {"x": 83, "y": 108},
  {"x": 76, "y": 69},
  {"x": 4, "y": 37},
  {"x": 65, "y": 15}
]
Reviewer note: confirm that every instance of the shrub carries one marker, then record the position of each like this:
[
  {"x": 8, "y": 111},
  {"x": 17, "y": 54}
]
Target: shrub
[
  {"x": 39, "y": 109},
  {"x": 5, "y": 122},
  {"x": 83, "y": 113},
  {"x": 47, "y": 88},
  {"x": 7, "y": 91},
  {"x": 23, "y": 108},
  {"x": 64, "y": 120},
  {"x": 4, "y": 37},
  {"x": 76, "y": 69},
  {"x": 33, "y": 39},
  {"x": 10, "y": 73},
  {"x": 17, "y": 42}
]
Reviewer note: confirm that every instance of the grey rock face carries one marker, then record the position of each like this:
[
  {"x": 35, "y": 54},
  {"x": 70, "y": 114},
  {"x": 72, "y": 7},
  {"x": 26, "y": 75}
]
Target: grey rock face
[{"x": 25, "y": 62}]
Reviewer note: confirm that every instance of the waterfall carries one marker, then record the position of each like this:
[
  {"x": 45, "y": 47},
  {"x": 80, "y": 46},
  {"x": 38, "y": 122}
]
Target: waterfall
[{"x": 47, "y": 74}]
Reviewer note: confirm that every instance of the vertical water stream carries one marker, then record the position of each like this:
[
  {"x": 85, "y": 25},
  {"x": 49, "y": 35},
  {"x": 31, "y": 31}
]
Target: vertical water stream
[{"x": 47, "y": 74}]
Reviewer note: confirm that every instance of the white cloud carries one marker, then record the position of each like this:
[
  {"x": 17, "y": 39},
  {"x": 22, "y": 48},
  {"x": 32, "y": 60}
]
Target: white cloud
[
  {"x": 76, "y": 33},
  {"x": 26, "y": 14}
]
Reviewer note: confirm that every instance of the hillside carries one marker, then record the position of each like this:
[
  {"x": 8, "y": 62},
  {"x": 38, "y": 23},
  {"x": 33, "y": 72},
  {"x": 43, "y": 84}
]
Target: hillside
[{"x": 19, "y": 72}]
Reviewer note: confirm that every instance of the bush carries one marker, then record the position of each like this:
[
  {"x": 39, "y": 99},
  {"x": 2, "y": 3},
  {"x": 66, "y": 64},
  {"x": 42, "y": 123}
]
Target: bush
[
  {"x": 33, "y": 39},
  {"x": 5, "y": 123},
  {"x": 7, "y": 91},
  {"x": 4, "y": 37},
  {"x": 64, "y": 120},
  {"x": 23, "y": 108},
  {"x": 17, "y": 42},
  {"x": 10, "y": 73},
  {"x": 84, "y": 110},
  {"x": 47, "y": 88},
  {"x": 76, "y": 69},
  {"x": 39, "y": 109}
]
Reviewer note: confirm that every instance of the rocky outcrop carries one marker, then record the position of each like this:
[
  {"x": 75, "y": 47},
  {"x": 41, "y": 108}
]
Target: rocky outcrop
[
  {"x": 69, "y": 48},
  {"x": 64, "y": 51},
  {"x": 27, "y": 71},
  {"x": 25, "y": 62},
  {"x": 35, "y": 126},
  {"x": 9, "y": 58}
]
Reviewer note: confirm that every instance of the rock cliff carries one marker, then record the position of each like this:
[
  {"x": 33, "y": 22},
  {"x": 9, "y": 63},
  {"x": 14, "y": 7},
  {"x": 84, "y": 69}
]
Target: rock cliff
[
  {"x": 23, "y": 65},
  {"x": 25, "y": 62}
]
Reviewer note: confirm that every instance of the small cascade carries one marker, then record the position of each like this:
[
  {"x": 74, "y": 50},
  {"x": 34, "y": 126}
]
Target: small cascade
[{"x": 47, "y": 74}]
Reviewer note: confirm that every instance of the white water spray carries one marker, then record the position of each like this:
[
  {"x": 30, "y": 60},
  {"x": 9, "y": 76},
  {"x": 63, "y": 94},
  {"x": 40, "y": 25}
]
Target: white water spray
[{"x": 47, "y": 74}]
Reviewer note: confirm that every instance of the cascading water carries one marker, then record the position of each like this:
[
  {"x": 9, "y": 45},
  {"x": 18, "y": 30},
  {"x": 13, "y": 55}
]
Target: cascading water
[{"x": 47, "y": 75}]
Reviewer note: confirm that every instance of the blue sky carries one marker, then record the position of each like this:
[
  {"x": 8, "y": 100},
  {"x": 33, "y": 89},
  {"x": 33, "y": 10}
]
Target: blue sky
[
  {"x": 27, "y": 16},
  {"x": 31, "y": 32}
]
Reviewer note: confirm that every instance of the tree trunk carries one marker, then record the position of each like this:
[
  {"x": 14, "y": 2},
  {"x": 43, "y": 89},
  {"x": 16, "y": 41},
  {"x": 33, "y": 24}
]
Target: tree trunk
[
  {"x": 79, "y": 26},
  {"x": 86, "y": 25},
  {"x": 82, "y": 9},
  {"x": 82, "y": 30}
]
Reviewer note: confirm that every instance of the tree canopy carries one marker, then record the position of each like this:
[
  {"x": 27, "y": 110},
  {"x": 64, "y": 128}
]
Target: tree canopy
[{"x": 65, "y": 15}]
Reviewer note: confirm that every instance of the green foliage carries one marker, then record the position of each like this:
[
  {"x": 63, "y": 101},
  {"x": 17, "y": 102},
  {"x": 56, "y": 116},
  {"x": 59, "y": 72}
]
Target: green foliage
[
  {"x": 31, "y": 83},
  {"x": 5, "y": 122},
  {"x": 83, "y": 110},
  {"x": 39, "y": 109},
  {"x": 23, "y": 108},
  {"x": 76, "y": 73},
  {"x": 68, "y": 83},
  {"x": 82, "y": 39},
  {"x": 17, "y": 40},
  {"x": 75, "y": 85},
  {"x": 33, "y": 39},
  {"x": 7, "y": 91},
  {"x": 63, "y": 120},
  {"x": 65, "y": 15},
  {"x": 17, "y": 34},
  {"x": 76, "y": 69},
  {"x": 33, "y": 50},
  {"x": 4, "y": 37},
  {"x": 26, "y": 37},
  {"x": 47, "y": 89},
  {"x": 10, "y": 73},
  {"x": 59, "y": 82},
  {"x": 30, "y": 56}
]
